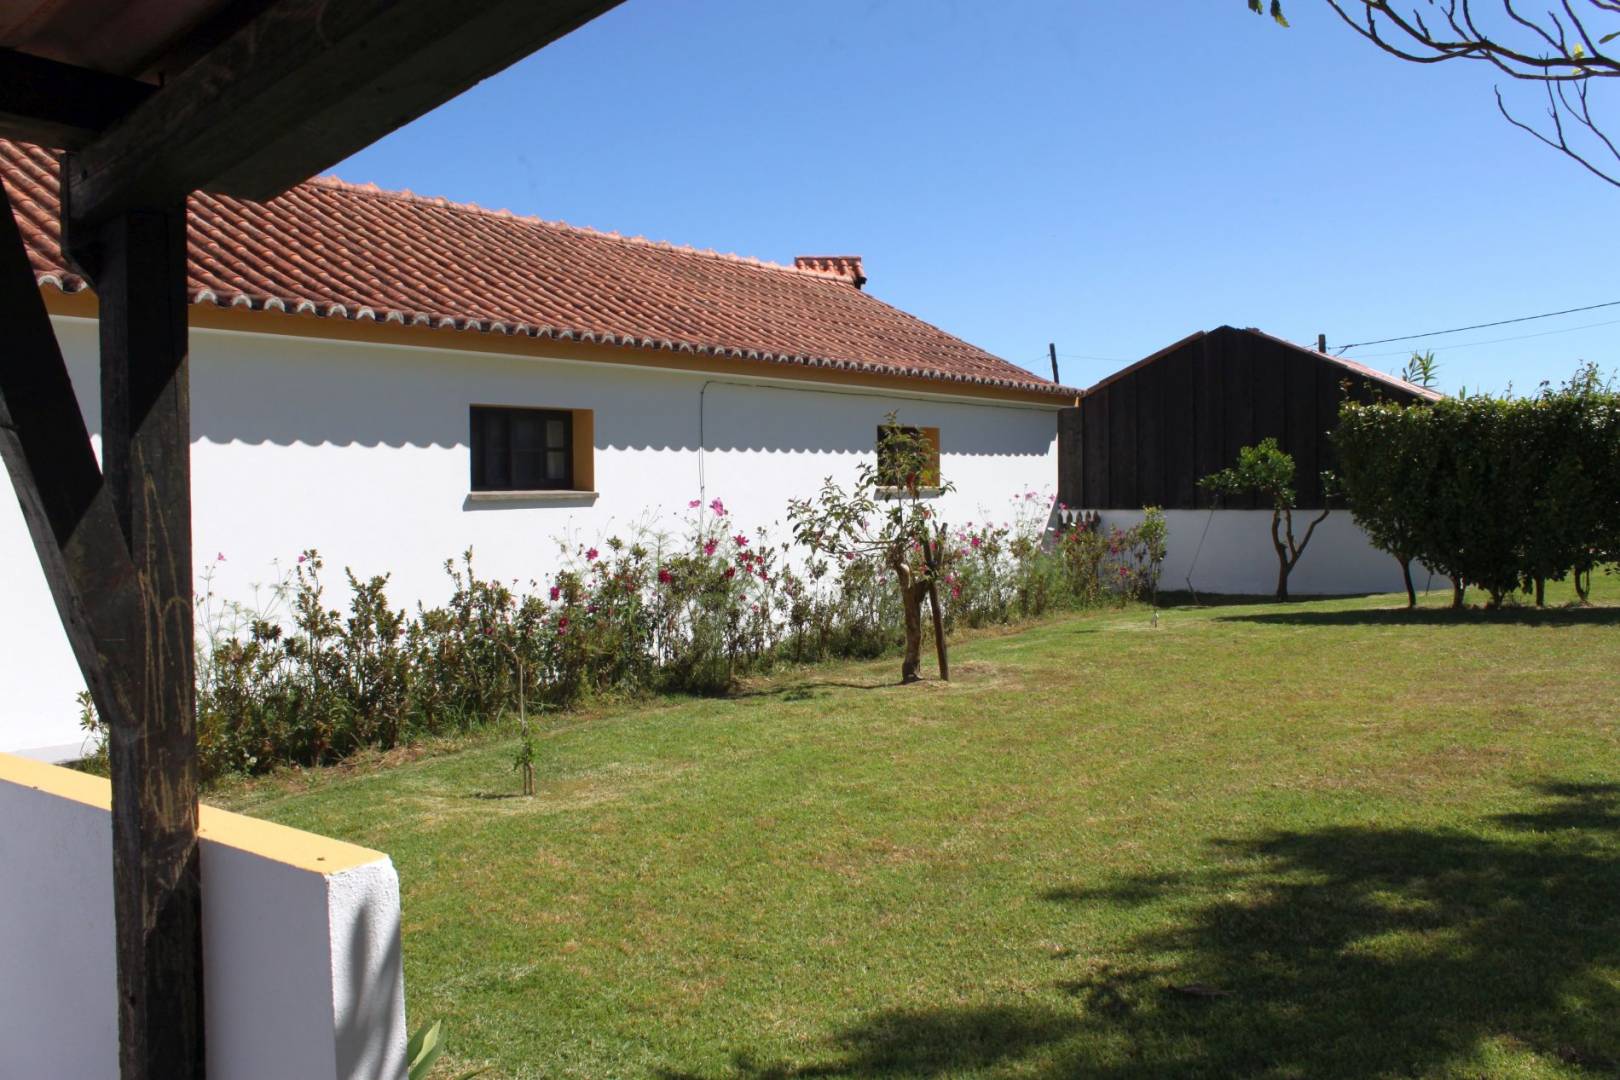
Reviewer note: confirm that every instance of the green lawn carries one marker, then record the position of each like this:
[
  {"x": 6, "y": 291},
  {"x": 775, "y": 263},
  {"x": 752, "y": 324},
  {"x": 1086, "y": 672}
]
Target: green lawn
[{"x": 1322, "y": 839}]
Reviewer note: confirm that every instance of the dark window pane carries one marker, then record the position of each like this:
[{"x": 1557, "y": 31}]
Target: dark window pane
[
  {"x": 520, "y": 449},
  {"x": 527, "y": 449},
  {"x": 497, "y": 450}
]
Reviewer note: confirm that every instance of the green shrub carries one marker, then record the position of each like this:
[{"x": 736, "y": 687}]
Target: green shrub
[
  {"x": 1502, "y": 493},
  {"x": 293, "y": 679}
]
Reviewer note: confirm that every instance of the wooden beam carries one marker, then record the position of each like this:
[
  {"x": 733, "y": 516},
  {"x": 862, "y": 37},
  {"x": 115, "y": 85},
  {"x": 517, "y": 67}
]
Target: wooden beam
[
  {"x": 55, "y": 104},
  {"x": 53, "y": 470},
  {"x": 146, "y": 452},
  {"x": 302, "y": 86}
]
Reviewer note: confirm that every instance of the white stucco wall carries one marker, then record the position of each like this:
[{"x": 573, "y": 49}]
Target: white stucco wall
[
  {"x": 360, "y": 451},
  {"x": 1229, "y": 552},
  {"x": 301, "y": 959}
]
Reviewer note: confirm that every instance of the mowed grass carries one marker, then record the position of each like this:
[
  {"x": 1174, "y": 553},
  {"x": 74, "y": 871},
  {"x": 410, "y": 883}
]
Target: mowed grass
[{"x": 1326, "y": 839}]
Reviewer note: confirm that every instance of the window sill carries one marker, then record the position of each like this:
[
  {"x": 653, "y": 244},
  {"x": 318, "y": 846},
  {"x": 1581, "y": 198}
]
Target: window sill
[
  {"x": 901, "y": 493},
  {"x": 476, "y": 499}
]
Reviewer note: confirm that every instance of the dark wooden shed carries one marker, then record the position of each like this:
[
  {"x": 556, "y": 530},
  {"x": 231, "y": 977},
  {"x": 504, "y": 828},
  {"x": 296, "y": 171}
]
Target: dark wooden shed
[{"x": 1147, "y": 433}]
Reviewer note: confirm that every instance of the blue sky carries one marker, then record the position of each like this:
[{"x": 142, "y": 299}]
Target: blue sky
[{"x": 1108, "y": 176}]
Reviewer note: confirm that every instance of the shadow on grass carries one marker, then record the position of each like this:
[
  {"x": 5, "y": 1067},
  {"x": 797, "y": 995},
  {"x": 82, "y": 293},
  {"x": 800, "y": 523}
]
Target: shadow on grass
[
  {"x": 1351, "y": 952},
  {"x": 806, "y": 691},
  {"x": 921, "y": 1043},
  {"x": 1361, "y": 952},
  {"x": 1525, "y": 616}
]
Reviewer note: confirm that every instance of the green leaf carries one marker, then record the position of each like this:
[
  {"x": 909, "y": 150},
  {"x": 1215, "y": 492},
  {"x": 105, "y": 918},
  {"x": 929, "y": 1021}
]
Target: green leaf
[
  {"x": 1277, "y": 14},
  {"x": 423, "y": 1050},
  {"x": 1606, "y": 38}
]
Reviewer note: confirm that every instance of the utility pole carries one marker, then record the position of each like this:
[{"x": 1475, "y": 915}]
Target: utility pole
[
  {"x": 1051, "y": 351},
  {"x": 1321, "y": 343}
]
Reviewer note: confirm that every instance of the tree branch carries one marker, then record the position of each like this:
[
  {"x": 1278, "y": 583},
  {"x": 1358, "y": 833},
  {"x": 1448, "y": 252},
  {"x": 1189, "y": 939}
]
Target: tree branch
[{"x": 1557, "y": 48}]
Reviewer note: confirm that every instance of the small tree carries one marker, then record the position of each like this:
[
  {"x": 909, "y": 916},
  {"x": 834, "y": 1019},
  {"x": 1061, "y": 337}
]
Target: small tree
[
  {"x": 884, "y": 517},
  {"x": 1267, "y": 471}
]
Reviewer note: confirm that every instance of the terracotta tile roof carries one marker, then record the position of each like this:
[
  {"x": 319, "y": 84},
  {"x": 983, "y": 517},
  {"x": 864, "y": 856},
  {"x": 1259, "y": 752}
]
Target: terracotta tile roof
[{"x": 357, "y": 252}]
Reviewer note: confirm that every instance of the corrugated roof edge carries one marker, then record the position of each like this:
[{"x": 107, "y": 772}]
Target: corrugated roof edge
[
  {"x": 1384, "y": 377},
  {"x": 71, "y": 283}
]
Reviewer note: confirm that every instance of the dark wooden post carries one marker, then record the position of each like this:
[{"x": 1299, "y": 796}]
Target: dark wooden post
[{"x": 139, "y": 261}]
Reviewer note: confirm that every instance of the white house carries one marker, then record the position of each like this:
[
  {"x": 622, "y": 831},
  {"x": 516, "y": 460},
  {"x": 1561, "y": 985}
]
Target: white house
[{"x": 391, "y": 379}]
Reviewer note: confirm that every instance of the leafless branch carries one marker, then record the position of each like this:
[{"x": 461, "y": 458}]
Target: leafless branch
[{"x": 1564, "y": 49}]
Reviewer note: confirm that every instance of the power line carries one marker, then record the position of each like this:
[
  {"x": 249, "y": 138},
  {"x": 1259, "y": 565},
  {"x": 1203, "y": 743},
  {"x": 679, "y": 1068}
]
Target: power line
[
  {"x": 1480, "y": 326},
  {"x": 1498, "y": 341}
]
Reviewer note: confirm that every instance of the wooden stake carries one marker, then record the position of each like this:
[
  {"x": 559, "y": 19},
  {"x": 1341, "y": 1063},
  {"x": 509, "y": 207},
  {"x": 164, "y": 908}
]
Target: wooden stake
[{"x": 939, "y": 631}]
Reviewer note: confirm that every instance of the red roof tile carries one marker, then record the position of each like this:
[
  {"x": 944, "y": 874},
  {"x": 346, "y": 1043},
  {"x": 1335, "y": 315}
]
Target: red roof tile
[{"x": 358, "y": 252}]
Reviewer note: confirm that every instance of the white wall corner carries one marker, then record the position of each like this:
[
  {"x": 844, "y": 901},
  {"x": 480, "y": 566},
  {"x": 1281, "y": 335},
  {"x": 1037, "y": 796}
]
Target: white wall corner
[{"x": 368, "y": 975}]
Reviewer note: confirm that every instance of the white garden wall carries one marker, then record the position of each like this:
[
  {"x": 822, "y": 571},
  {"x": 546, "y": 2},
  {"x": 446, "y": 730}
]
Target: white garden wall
[
  {"x": 359, "y": 450},
  {"x": 1229, "y": 552},
  {"x": 301, "y": 960}
]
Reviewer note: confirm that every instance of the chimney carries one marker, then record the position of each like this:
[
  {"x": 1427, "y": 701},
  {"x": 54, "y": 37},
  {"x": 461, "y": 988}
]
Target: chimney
[{"x": 847, "y": 267}]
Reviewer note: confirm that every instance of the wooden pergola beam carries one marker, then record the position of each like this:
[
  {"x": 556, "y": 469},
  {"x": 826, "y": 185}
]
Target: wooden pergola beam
[
  {"x": 296, "y": 88},
  {"x": 46, "y": 101},
  {"x": 146, "y": 456},
  {"x": 116, "y": 549},
  {"x": 299, "y": 88},
  {"x": 66, "y": 505}
]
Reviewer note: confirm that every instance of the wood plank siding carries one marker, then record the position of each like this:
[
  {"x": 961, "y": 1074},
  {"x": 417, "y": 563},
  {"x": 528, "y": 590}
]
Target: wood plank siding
[{"x": 1146, "y": 434}]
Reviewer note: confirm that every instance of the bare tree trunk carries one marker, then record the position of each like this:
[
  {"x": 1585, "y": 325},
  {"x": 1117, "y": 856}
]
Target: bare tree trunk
[
  {"x": 1541, "y": 591},
  {"x": 1282, "y": 554},
  {"x": 1458, "y": 591},
  {"x": 912, "y": 593},
  {"x": 1411, "y": 591}
]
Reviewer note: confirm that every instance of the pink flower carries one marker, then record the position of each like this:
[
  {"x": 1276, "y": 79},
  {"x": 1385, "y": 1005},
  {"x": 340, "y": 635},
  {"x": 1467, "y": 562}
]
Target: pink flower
[
  {"x": 562, "y": 625},
  {"x": 718, "y": 507},
  {"x": 556, "y": 592},
  {"x": 221, "y": 557},
  {"x": 740, "y": 540},
  {"x": 694, "y": 504},
  {"x": 709, "y": 546},
  {"x": 591, "y": 554},
  {"x": 731, "y": 571},
  {"x": 664, "y": 576},
  {"x": 975, "y": 542},
  {"x": 303, "y": 558}
]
